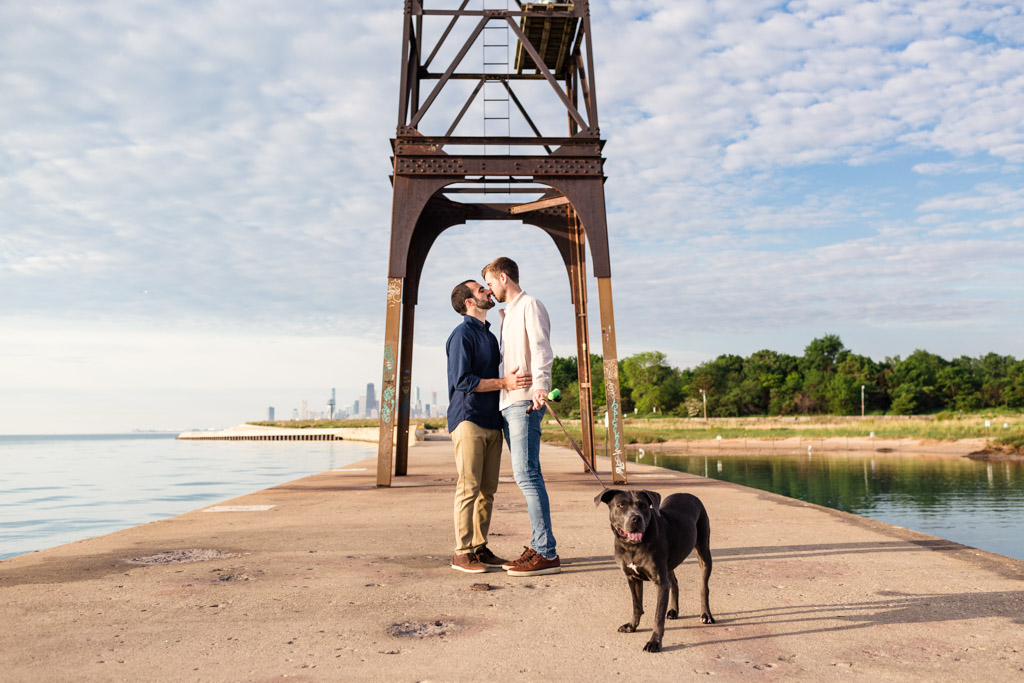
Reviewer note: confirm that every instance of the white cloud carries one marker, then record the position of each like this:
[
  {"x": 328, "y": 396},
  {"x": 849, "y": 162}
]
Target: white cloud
[
  {"x": 951, "y": 168},
  {"x": 991, "y": 198},
  {"x": 822, "y": 83},
  {"x": 188, "y": 149}
]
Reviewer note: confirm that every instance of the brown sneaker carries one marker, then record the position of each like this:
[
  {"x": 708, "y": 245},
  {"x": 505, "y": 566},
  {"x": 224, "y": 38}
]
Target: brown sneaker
[
  {"x": 535, "y": 565},
  {"x": 528, "y": 552},
  {"x": 469, "y": 563},
  {"x": 484, "y": 554}
]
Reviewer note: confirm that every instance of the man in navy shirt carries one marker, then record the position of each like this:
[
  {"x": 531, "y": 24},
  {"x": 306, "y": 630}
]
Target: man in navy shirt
[{"x": 475, "y": 424}]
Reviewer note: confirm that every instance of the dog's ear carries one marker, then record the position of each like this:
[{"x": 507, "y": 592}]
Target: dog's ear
[
  {"x": 654, "y": 498},
  {"x": 605, "y": 496}
]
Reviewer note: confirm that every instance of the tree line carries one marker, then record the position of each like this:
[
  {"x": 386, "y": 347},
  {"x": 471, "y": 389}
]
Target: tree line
[{"x": 828, "y": 379}]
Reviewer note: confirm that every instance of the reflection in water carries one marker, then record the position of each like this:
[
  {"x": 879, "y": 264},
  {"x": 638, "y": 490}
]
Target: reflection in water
[
  {"x": 980, "y": 504},
  {"x": 57, "y": 489}
]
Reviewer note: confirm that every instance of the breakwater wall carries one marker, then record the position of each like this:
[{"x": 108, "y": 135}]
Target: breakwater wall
[{"x": 263, "y": 433}]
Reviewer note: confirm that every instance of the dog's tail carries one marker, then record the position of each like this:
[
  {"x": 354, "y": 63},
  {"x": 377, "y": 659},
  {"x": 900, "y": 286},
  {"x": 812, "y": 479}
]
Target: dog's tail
[
  {"x": 703, "y": 544},
  {"x": 703, "y": 548}
]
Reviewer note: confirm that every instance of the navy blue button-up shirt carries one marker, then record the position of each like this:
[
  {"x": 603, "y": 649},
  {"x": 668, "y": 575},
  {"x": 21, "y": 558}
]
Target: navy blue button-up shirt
[{"x": 472, "y": 356}]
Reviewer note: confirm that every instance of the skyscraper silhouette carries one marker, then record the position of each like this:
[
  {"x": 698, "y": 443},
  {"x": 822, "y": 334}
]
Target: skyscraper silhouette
[{"x": 371, "y": 400}]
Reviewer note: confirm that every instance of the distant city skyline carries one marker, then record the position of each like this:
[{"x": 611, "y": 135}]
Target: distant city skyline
[{"x": 359, "y": 407}]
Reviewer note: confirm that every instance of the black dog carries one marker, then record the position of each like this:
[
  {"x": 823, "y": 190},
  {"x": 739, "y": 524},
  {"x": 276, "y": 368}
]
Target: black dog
[{"x": 651, "y": 539}]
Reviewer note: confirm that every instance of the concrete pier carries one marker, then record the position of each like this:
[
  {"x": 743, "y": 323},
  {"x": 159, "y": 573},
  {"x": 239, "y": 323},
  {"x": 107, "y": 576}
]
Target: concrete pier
[{"x": 330, "y": 578}]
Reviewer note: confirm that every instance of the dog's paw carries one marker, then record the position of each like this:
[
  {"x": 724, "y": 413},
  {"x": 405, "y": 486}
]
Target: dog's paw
[
  {"x": 706, "y": 618},
  {"x": 671, "y": 614},
  {"x": 627, "y": 628},
  {"x": 652, "y": 646}
]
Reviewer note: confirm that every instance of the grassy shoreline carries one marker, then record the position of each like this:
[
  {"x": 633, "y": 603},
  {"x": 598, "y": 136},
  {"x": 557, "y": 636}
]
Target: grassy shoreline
[
  {"x": 1003, "y": 432},
  {"x": 645, "y": 430}
]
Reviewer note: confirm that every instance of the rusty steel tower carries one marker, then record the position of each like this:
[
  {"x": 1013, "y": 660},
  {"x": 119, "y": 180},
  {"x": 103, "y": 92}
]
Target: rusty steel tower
[{"x": 440, "y": 179}]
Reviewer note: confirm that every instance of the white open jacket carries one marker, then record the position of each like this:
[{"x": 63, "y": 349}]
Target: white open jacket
[{"x": 525, "y": 342}]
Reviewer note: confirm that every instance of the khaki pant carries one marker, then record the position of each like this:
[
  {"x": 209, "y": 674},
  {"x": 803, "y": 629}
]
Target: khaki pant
[{"x": 477, "y": 460}]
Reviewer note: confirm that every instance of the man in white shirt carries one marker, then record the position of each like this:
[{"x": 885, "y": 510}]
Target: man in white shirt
[{"x": 525, "y": 343}]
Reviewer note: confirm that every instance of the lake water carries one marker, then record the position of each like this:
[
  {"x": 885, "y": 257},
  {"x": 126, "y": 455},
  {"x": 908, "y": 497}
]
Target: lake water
[
  {"x": 978, "y": 504},
  {"x": 58, "y": 489}
]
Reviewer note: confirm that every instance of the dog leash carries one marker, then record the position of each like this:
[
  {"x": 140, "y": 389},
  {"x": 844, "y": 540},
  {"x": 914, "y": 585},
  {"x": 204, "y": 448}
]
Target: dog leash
[{"x": 556, "y": 395}]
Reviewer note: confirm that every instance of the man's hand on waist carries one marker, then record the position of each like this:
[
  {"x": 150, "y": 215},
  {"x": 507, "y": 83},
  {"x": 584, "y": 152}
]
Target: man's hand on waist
[{"x": 517, "y": 380}]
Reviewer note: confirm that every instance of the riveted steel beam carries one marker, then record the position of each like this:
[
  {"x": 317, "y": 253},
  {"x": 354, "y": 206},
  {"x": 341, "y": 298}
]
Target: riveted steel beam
[{"x": 486, "y": 165}]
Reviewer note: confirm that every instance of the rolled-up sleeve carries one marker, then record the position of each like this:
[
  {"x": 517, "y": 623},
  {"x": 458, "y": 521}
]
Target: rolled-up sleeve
[
  {"x": 472, "y": 357},
  {"x": 460, "y": 370}
]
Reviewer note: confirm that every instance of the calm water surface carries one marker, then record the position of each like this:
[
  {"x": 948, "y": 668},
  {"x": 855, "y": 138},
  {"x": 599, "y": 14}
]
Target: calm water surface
[
  {"x": 975, "y": 503},
  {"x": 58, "y": 489}
]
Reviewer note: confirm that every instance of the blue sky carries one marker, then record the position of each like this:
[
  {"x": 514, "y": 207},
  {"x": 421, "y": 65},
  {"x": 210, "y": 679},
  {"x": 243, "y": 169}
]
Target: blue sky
[{"x": 196, "y": 202}]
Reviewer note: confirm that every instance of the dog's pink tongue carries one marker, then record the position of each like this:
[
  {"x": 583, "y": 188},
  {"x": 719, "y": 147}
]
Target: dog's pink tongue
[{"x": 634, "y": 536}]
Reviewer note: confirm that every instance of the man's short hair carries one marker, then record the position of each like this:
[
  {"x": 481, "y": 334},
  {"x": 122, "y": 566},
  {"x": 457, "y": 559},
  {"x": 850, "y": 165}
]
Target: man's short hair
[
  {"x": 502, "y": 264},
  {"x": 459, "y": 296}
]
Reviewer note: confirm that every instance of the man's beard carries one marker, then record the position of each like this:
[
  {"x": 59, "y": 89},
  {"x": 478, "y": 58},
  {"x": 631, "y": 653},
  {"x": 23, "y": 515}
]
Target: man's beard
[{"x": 486, "y": 304}]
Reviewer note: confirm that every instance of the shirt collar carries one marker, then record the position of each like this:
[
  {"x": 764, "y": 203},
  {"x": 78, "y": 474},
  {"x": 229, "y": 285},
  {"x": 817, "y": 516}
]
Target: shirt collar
[
  {"x": 514, "y": 302},
  {"x": 473, "y": 321}
]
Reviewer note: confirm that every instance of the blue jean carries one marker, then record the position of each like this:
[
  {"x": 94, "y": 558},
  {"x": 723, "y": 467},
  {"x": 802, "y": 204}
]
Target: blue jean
[{"x": 522, "y": 434}]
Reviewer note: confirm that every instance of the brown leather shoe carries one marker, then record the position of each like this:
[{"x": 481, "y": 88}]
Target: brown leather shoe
[
  {"x": 484, "y": 554},
  {"x": 535, "y": 565},
  {"x": 469, "y": 563},
  {"x": 528, "y": 552}
]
